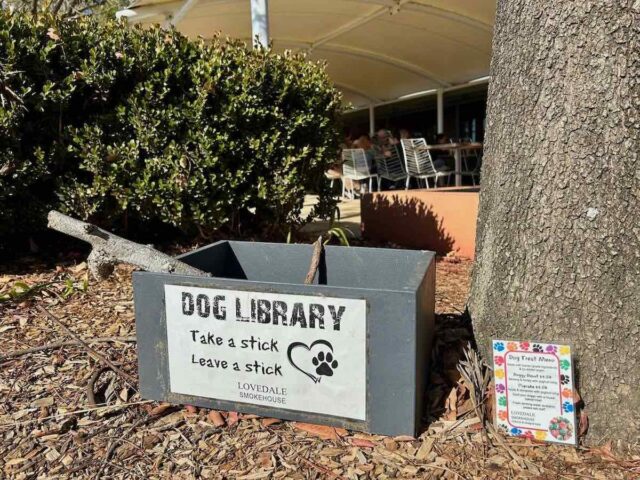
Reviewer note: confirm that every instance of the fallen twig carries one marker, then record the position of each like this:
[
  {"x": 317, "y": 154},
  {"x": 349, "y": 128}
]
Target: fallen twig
[
  {"x": 298, "y": 454},
  {"x": 128, "y": 378},
  {"x": 123, "y": 438},
  {"x": 63, "y": 343},
  {"x": 114, "y": 443},
  {"x": 58, "y": 416},
  {"x": 517, "y": 458},
  {"x": 91, "y": 399},
  {"x": 82, "y": 466},
  {"x": 319, "y": 468}
]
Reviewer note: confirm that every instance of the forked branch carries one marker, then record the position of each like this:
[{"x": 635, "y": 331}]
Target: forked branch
[{"x": 109, "y": 249}]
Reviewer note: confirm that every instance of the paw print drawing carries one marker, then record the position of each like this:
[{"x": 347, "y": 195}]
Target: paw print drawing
[
  {"x": 325, "y": 364},
  {"x": 315, "y": 360},
  {"x": 567, "y": 407}
]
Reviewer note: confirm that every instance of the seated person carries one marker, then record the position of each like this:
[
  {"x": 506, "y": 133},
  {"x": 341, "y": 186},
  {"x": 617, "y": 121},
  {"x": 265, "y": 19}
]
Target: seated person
[
  {"x": 383, "y": 141},
  {"x": 364, "y": 142},
  {"x": 403, "y": 133},
  {"x": 442, "y": 159},
  {"x": 347, "y": 140}
]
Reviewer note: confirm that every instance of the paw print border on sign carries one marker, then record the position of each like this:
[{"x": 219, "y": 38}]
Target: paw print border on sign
[{"x": 564, "y": 427}]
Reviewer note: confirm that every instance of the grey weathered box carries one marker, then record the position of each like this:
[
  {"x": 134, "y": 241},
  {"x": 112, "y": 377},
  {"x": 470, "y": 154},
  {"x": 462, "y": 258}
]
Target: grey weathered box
[{"x": 350, "y": 350}]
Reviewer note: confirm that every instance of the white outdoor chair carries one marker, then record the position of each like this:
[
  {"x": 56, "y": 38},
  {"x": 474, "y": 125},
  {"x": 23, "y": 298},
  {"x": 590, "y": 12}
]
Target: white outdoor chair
[
  {"x": 355, "y": 167},
  {"x": 390, "y": 167},
  {"x": 419, "y": 163}
]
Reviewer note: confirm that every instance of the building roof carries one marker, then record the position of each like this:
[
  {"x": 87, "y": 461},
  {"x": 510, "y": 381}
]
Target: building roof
[{"x": 377, "y": 50}]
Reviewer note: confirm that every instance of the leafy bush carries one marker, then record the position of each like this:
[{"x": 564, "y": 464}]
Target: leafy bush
[{"x": 116, "y": 124}]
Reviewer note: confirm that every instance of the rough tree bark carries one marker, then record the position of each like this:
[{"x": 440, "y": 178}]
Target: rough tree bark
[{"x": 558, "y": 242}]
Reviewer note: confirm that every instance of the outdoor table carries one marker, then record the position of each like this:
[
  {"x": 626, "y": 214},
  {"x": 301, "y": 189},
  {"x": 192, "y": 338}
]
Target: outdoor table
[{"x": 457, "y": 148}]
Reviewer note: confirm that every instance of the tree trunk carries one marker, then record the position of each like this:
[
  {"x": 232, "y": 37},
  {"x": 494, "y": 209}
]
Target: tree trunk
[{"x": 558, "y": 242}]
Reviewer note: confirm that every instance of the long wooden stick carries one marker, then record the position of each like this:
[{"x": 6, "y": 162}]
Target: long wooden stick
[
  {"x": 109, "y": 249},
  {"x": 63, "y": 343},
  {"x": 315, "y": 261},
  {"x": 128, "y": 378}
]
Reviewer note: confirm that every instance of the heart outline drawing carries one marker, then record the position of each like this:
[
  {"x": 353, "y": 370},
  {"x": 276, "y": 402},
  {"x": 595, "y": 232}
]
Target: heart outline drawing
[{"x": 295, "y": 345}]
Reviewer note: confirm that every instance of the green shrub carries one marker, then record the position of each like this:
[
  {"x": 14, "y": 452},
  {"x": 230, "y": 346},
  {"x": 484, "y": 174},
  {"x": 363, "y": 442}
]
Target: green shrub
[{"x": 122, "y": 123}]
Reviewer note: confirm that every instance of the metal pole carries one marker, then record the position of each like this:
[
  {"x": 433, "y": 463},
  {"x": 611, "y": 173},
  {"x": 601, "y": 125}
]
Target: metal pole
[
  {"x": 260, "y": 22},
  {"x": 440, "y": 107},
  {"x": 372, "y": 119}
]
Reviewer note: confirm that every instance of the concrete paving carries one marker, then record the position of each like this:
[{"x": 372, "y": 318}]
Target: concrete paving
[{"x": 349, "y": 217}]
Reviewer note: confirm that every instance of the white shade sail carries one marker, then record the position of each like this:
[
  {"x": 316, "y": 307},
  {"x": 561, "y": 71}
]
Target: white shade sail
[{"x": 376, "y": 50}]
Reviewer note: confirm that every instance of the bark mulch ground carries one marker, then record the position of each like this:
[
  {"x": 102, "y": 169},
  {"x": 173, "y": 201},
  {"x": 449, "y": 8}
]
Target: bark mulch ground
[{"x": 63, "y": 416}]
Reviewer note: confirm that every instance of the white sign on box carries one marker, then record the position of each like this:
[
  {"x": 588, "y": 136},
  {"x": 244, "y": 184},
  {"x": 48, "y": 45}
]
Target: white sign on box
[
  {"x": 296, "y": 352},
  {"x": 534, "y": 390}
]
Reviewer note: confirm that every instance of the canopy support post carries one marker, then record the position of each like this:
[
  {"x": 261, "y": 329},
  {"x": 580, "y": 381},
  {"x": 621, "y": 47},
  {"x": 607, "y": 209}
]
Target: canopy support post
[
  {"x": 260, "y": 23},
  {"x": 372, "y": 119},
  {"x": 174, "y": 18},
  {"x": 440, "y": 109}
]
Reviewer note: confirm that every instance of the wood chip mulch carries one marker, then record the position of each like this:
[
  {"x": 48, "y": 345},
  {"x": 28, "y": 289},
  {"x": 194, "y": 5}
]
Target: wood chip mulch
[{"x": 53, "y": 426}]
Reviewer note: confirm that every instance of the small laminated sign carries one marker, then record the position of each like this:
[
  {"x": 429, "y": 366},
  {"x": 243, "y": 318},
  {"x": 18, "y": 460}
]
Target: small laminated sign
[{"x": 534, "y": 390}]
